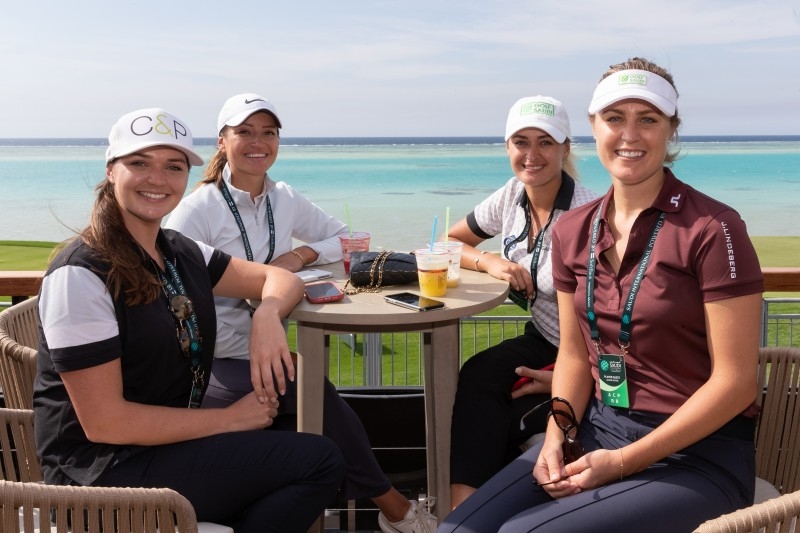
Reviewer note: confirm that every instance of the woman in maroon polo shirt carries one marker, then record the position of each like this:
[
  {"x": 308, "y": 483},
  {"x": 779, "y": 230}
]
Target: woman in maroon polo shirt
[{"x": 658, "y": 360}]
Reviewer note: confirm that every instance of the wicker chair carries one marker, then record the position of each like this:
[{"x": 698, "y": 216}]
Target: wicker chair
[
  {"x": 24, "y": 497},
  {"x": 778, "y": 433},
  {"x": 18, "y": 459},
  {"x": 19, "y": 342},
  {"x": 777, "y": 450},
  {"x": 776, "y": 515}
]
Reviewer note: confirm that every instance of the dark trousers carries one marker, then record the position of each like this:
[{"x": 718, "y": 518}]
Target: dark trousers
[
  {"x": 364, "y": 478},
  {"x": 485, "y": 434},
  {"x": 253, "y": 481},
  {"x": 713, "y": 476}
]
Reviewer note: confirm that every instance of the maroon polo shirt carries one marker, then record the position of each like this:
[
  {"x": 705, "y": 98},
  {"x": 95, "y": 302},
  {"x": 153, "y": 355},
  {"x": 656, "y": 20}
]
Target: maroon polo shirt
[{"x": 701, "y": 254}]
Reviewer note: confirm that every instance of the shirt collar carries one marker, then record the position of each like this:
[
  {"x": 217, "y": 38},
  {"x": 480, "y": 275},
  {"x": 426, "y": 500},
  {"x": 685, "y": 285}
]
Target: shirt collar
[
  {"x": 240, "y": 194},
  {"x": 564, "y": 195}
]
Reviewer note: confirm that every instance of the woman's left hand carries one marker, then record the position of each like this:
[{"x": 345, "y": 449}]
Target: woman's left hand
[
  {"x": 595, "y": 469},
  {"x": 269, "y": 354}
]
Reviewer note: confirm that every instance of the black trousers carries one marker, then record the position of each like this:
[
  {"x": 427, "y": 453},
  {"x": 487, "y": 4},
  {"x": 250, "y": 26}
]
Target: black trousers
[
  {"x": 253, "y": 481},
  {"x": 364, "y": 478},
  {"x": 485, "y": 434}
]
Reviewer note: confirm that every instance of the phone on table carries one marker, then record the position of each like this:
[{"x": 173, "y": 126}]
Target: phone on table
[
  {"x": 413, "y": 301},
  {"x": 525, "y": 379},
  {"x": 323, "y": 292},
  {"x": 313, "y": 274}
]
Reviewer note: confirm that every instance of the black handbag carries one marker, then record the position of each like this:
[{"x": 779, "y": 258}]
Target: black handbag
[{"x": 369, "y": 271}]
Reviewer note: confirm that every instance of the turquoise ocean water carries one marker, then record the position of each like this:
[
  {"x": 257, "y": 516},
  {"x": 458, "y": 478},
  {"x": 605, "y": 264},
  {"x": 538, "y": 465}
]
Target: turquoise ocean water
[{"x": 394, "y": 187}]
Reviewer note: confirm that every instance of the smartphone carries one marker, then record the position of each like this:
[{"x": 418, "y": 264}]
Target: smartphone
[
  {"x": 525, "y": 379},
  {"x": 313, "y": 274},
  {"x": 323, "y": 292},
  {"x": 413, "y": 301}
]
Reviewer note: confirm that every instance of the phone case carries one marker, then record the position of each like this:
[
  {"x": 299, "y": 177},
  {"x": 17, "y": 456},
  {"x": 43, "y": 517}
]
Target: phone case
[{"x": 323, "y": 298}]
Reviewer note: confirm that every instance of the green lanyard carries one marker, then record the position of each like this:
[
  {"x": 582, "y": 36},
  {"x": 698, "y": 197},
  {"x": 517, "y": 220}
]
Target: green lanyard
[
  {"x": 175, "y": 288},
  {"x": 625, "y": 321}
]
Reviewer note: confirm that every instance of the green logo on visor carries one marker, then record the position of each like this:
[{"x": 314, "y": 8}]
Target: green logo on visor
[
  {"x": 632, "y": 79},
  {"x": 538, "y": 108}
]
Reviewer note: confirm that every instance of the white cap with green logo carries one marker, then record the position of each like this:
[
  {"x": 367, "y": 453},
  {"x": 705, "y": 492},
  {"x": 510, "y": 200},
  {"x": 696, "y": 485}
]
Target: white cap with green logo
[{"x": 542, "y": 112}]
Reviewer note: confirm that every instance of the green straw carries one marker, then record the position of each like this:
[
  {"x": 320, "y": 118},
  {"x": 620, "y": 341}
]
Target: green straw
[
  {"x": 446, "y": 224},
  {"x": 433, "y": 233},
  {"x": 347, "y": 215}
]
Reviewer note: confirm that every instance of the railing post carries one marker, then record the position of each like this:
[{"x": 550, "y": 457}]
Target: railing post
[{"x": 373, "y": 360}]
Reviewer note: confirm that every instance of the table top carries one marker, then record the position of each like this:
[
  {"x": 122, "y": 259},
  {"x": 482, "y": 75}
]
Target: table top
[{"x": 477, "y": 292}]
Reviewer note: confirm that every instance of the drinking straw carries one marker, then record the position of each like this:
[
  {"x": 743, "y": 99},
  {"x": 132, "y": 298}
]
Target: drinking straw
[
  {"x": 347, "y": 215},
  {"x": 446, "y": 223},
  {"x": 433, "y": 233}
]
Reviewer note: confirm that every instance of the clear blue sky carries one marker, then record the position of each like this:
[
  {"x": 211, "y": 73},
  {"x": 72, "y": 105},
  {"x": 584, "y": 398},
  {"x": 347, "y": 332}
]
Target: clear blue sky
[{"x": 388, "y": 68}]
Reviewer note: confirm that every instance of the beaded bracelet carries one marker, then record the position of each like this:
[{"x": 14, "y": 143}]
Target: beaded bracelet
[{"x": 621, "y": 464}]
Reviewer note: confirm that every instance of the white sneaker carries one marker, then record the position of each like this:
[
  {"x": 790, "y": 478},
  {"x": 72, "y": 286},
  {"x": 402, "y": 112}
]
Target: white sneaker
[{"x": 418, "y": 519}]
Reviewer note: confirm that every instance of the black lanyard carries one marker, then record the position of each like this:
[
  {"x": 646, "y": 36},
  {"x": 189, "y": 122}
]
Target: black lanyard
[
  {"x": 174, "y": 287},
  {"x": 627, "y": 313},
  {"x": 563, "y": 197},
  {"x": 270, "y": 220}
]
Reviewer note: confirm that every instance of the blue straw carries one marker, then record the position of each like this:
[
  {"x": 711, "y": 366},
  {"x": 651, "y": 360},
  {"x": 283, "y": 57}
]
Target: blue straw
[{"x": 433, "y": 233}]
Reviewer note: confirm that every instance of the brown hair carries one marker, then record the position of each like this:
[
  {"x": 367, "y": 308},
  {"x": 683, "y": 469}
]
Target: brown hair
[
  {"x": 107, "y": 235},
  {"x": 638, "y": 63}
]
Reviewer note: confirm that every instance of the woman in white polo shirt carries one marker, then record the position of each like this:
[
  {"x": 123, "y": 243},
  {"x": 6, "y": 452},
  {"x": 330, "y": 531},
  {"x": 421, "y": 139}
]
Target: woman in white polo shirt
[
  {"x": 485, "y": 431},
  {"x": 239, "y": 209}
]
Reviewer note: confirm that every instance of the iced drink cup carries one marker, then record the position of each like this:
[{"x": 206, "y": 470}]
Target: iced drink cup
[
  {"x": 432, "y": 268},
  {"x": 454, "y": 270},
  {"x": 358, "y": 241}
]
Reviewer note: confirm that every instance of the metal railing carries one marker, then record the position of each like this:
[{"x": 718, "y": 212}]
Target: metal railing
[{"x": 395, "y": 360}]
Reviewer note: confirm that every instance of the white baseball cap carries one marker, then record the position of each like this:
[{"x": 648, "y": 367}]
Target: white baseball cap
[
  {"x": 150, "y": 127},
  {"x": 639, "y": 84},
  {"x": 541, "y": 112},
  {"x": 238, "y": 108}
]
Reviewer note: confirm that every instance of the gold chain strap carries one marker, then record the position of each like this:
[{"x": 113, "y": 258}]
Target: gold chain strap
[{"x": 377, "y": 264}]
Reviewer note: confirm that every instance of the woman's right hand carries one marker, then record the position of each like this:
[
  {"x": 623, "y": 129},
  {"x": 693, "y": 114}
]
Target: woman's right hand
[
  {"x": 517, "y": 276},
  {"x": 248, "y": 413},
  {"x": 550, "y": 471}
]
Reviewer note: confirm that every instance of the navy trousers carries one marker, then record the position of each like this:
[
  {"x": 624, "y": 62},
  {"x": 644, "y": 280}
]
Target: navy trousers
[{"x": 709, "y": 478}]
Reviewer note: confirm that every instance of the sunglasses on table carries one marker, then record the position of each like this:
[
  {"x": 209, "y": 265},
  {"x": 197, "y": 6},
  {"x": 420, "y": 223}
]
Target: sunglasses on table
[{"x": 564, "y": 416}]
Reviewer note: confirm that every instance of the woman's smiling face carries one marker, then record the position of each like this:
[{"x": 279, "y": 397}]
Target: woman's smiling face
[
  {"x": 252, "y": 146},
  {"x": 632, "y": 137}
]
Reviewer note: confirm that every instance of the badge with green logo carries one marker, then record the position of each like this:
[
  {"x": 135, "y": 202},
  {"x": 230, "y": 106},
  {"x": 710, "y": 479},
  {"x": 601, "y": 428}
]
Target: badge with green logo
[{"x": 613, "y": 382}]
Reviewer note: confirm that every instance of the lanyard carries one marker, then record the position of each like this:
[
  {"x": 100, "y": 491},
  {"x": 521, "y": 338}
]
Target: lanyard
[
  {"x": 271, "y": 222},
  {"x": 625, "y": 321},
  {"x": 174, "y": 287},
  {"x": 537, "y": 245},
  {"x": 563, "y": 198}
]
